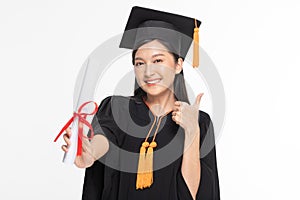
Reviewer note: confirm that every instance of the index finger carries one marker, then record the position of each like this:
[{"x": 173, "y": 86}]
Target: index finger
[
  {"x": 177, "y": 103},
  {"x": 68, "y": 131}
]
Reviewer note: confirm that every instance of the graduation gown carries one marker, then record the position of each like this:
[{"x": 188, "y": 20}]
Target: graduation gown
[{"x": 125, "y": 121}]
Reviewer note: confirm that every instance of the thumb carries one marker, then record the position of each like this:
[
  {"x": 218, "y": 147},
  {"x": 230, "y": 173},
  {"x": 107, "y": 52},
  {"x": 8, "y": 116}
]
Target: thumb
[{"x": 198, "y": 99}]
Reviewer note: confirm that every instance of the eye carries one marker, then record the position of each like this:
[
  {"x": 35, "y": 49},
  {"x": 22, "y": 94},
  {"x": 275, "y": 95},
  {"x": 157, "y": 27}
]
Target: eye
[
  {"x": 158, "y": 60},
  {"x": 137, "y": 64}
]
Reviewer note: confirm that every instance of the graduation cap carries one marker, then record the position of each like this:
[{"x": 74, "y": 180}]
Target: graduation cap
[{"x": 148, "y": 24}]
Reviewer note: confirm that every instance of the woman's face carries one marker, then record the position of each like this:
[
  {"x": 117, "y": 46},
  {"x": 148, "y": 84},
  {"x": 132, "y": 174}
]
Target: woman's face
[{"x": 155, "y": 68}]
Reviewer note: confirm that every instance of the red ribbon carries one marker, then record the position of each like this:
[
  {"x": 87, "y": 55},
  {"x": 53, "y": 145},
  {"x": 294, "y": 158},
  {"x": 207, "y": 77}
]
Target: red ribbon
[{"x": 81, "y": 120}]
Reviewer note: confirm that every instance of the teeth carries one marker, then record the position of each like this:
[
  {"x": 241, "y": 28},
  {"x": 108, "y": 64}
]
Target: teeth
[{"x": 154, "y": 81}]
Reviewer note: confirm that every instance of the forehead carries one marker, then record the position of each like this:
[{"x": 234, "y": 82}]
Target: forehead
[{"x": 153, "y": 46}]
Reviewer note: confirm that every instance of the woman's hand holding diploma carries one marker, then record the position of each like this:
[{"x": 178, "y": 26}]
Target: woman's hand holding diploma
[{"x": 91, "y": 151}]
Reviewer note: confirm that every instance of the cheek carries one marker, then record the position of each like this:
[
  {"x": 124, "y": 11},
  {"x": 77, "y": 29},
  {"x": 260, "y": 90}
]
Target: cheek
[
  {"x": 168, "y": 78},
  {"x": 138, "y": 76},
  {"x": 168, "y": 72}
]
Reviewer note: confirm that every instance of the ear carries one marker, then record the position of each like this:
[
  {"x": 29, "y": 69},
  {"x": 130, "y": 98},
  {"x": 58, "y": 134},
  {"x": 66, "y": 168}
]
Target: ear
[{"x": 179, "y": 65}]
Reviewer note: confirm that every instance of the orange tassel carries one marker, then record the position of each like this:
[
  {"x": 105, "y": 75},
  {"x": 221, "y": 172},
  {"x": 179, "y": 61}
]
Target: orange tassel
[
  {"x": 142, "y": 166},
  {"x": 144, "y": 177},
  {"x": 196, "y": 46},
  {"x": 149, "y": 165},
  {"x": 145, "y": 169}
]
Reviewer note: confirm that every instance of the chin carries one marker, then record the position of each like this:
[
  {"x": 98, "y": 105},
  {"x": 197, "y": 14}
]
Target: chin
[{"x": 155, "y": 91}]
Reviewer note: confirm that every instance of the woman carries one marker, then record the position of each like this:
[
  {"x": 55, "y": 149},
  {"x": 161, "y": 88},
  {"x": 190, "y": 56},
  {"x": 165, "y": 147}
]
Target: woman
[{"x": 167, "y": 165}]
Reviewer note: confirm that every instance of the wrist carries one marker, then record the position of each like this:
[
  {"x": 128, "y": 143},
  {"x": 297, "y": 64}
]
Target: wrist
[
  {"x": 191, "y": 130},
  {"x": 192, "y": 136}
]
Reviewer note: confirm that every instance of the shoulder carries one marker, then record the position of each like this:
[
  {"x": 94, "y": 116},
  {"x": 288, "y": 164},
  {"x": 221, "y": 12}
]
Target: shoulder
[
  {"x": 112, "y": 99},
  {"x": 204, "y": 118},
  {"x": 205, "y": 124}
]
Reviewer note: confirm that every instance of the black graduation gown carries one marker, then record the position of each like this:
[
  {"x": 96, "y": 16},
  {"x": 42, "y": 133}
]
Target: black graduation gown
[{"x": 115, "y": 180}]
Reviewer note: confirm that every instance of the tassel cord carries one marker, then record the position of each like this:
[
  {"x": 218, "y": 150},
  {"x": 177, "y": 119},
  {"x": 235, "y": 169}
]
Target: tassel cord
[{"x": 145, "y": 165}]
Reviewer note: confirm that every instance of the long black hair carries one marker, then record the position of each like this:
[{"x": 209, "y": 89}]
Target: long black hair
[{"x": 180, "y": 91}]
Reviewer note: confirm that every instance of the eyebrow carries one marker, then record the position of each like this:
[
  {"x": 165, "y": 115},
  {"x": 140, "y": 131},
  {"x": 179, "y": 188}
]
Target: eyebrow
[
  {"x": 159, "y": 54},
  {"x": 156, "y": 55},
  {"x": 138, "y": 58}
]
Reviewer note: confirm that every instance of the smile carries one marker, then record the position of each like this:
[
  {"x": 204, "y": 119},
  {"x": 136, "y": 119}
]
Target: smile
[{"x": 153, "y": 81}]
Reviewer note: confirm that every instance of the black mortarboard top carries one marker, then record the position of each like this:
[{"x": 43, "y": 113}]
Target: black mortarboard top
[{"x": 146, "y": 24}]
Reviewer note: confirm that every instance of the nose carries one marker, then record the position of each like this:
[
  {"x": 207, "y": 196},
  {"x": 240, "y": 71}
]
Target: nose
[{"x": 148, "y": 70}]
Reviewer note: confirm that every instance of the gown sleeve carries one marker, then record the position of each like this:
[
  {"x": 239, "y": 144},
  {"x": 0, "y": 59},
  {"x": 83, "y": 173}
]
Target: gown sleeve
[
  {"x": 98, "y": 174},
  {"x": 209, "y": 182},
  {"x": 103, "y": 122}
]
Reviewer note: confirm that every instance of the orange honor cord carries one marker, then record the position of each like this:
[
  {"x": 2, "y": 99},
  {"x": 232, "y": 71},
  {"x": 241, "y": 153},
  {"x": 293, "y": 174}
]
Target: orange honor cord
[{"x": 145, "y": 166}]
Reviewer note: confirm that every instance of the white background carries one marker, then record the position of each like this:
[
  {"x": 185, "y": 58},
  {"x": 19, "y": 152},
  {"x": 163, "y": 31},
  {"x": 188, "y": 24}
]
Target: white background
[{"x": 254, "y": 44}]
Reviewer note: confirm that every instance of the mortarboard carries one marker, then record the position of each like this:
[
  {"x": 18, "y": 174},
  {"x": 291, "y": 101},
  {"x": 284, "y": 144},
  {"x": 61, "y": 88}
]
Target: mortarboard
[{"x": 179, "y": 31}]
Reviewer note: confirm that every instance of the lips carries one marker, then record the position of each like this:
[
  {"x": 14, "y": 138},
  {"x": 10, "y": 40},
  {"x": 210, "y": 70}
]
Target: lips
[{"x": 152, "y": 81}]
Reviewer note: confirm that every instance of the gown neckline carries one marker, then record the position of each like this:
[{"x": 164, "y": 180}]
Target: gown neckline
[{"x": 148, "y": 107}]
